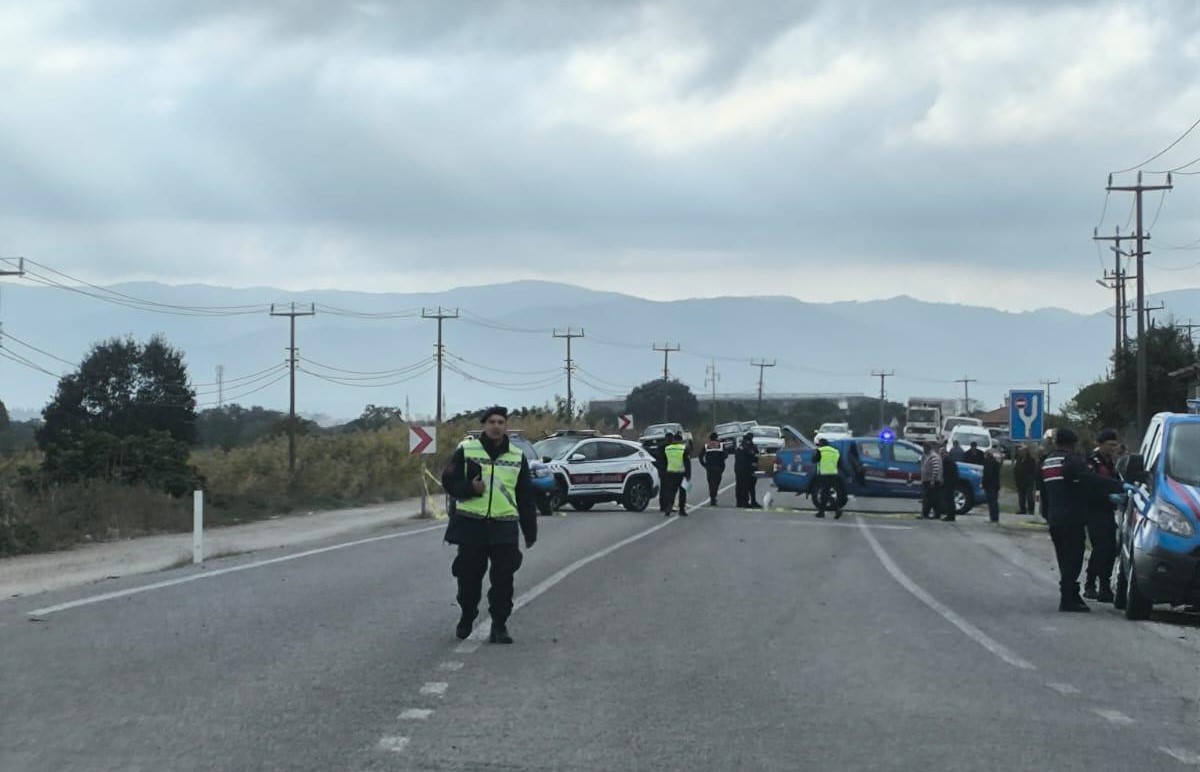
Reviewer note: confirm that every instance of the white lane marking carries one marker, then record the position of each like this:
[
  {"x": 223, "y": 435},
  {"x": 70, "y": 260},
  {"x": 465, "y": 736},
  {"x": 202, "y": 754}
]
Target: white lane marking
[
  {"x": 847, "y": 525},
  {"x": 223, "y": 571},
  {"x": 484, "y": 629},
  {"x": 435, "y": 689},
  {"x": 1066, "y": 690},
  {"x": 968, "y": 629},
  {"x": 471, "y": 645},
  {"x": 1182, "y": 755},
  {"x": 451, "y": 665},
  {"x": 1114, "y": 717},
  {"x": 416, "y": 714},
  {"x": 393, "y": 744}
]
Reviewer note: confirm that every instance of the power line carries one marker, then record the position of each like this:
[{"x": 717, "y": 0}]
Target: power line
[
  {"x": 667, "y": 349},
  {"x": 1162, "y": 152},
  {"x": 440, "y": 315},
  {"x": 569, "y": 336},
  {"x": 762, "y": 366},
  {"x": 293, "y": 357},
  {"x": 368, "y": 375},
  {"x": 882, "y": 375}
]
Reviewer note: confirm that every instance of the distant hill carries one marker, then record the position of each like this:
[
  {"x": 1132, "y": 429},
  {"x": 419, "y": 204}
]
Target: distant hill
[{"x": 504, "y": 338}]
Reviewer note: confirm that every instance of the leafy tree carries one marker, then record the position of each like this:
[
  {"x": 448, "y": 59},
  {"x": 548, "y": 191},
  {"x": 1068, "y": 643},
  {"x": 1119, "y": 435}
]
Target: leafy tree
[
  {"x": 232, "y": 426},
  {"x": 4, "y": 422},
  {"x": 645, "y": 402},
  {"x": 377, "y": 417}
]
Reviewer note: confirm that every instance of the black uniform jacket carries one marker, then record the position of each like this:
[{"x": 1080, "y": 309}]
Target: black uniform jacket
[
  {"x": 745, "y": 461},
  {"x": 1070, "y": 489},
  {"x": 991, "y": 473},
  {"x": 714, "y": 459},
  {"x": 456, "y": 480}
]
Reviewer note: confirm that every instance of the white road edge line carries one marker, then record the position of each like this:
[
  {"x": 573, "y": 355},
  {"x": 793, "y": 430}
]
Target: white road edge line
[
  {"x": 1182, "y": 755},
  {"x": 1114, "y": 717},
  {"x": 484, "y": 629},
  {"x": 435, "y": 689},
  {"x": 968, "y": 629},
  {"x": 415, "y": 714},
  {"x": 846, "y": 525},
  {"x": 1066, "y": 690},
  {"x": 451, "y": 665},
  {"x": 42, "y": 612}
]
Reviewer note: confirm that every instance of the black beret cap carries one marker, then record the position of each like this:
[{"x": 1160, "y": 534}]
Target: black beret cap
[{"x": 494, "y": 410}]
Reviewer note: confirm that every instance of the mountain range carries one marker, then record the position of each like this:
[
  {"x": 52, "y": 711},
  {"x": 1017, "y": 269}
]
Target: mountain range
[{"x": 364, "y": 348}]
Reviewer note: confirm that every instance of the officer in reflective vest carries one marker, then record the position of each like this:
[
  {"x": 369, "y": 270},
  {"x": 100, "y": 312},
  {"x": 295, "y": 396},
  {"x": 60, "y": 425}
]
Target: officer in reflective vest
[
  {"x": 678, "y": 469},
  {"x": 828, "y": 490},
  {"x": 490, "y": 483},
  {"x": 713, "y": 461}
]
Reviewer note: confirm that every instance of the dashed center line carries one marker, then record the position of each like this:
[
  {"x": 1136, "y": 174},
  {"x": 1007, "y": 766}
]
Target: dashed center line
[
  {"x": 416, "y": 714},
  {"x": 435, "y": 689},
  {"x": 1114, "y": 717},
  {"x": 451, "y": 665},
  {"x": 1066, "y": 690},
  {"x": 393, "y": 744},
  {"x": 1183, "y": 755}
]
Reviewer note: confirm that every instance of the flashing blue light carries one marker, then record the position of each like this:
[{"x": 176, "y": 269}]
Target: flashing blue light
[{"x": 887, "y": 435}]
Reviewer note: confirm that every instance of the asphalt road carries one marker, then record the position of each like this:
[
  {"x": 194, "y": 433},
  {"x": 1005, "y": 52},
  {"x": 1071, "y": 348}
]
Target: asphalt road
[{"x": 727, "y": 641}]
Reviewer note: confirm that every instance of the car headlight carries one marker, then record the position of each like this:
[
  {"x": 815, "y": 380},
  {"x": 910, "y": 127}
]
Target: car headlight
[
  {"x": 1170, "y": 519},
  {"x": 540, "y": 471}
]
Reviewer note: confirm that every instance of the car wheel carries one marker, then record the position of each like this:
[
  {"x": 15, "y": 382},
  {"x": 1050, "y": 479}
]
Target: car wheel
[
  {"x": 582, "y": 505},
  {"x": 558, "y": 499},
  {"x": 637, "y": 496},
  {"x": 964, "y": 499},
  {"x": 545, "y": 504},
  {"x": 1137, "y": 605},
  {"x": 1120, "y": 594}
]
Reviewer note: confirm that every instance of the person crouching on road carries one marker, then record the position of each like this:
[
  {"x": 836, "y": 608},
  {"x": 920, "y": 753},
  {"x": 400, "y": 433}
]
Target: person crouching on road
[
  {"x": 950, "y": 478},
  {"x": 828, "y": 491},
  {"x": 745, "y": 463},
  {"x": 1102, "y": 522},
  {"x": 1069, "y": 489},
  {"x": 679, "y": 468},
  {"x": 991, "y": 484},
  {"x": 713, "y": 460},
  {"x": 490, "y": 483},
  {"x": 931, "y": 483}
]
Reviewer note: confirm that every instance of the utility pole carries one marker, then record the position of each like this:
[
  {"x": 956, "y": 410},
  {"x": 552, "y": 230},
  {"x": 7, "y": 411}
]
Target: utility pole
[
  {"x": 1189, "y": 327},
  {"x": 1048, "y": 383},
  {"x": 18, "y": 273},
  {"x": 441, "y": 314},
  {"x": 1116, "y": 281},
  {"x": 1142, "y": 364},
  {"x": 882, "y": 375},
  {"x": 711, "y": 376},
  {"x": 667, "y": 349},
  {"x": 220, "y": 386},
  {"x": 569, "y": 335},
  {"x": 762, "y": 366},
  {"x": 1150, "y": 311},
  {"x": 966, "y": 382},
  {"x": 291, "y": 313}
]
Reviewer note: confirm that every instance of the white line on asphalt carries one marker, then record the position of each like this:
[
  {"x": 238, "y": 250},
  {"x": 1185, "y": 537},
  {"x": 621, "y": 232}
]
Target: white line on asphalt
[
  {"x": 393, "y": 744},
  {"x": 1114, "y": 717},
  {"x": 1183, "y": 755},
  {"x": 416, "y": 714},
  {"x": 485, "y": 628},
  {"x": 1065, "y": 690},
  {"x": 472, "y": 644},
  {"x": 847, "y": 525},
  {"x": 222, "y": 572},
  {"x": 450, "y": 665},
  {"x": 435, "y": 689},
  {"x": 968, "y": 629}
]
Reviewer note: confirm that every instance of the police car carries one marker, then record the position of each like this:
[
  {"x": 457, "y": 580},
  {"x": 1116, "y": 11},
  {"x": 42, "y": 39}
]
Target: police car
[{"x": 591, "y": 470}]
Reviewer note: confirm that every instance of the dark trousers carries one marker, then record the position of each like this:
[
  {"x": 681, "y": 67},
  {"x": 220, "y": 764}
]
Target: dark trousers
[
  {"x": 672, "y": 487},
  {"x": 714, "y": 482},
  {"x": 993, "y": 501},
  {"x": 1025, "y": 502},
  {"x": 1102, "y": 533},
  {"x": 1068, "y": 548},
  {"x": 745, "y": 492},
  {"x": 931, "y": 501},
  {"x": 469, "y": 567},
  {"x": 829, "y": 489},
  {"x": 948, "y": 507}
]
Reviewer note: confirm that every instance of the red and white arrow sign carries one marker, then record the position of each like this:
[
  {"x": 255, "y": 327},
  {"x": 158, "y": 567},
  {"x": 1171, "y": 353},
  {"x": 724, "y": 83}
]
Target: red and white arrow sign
[
  {"x": 624, "y": 423},
  {"x": 422, "y": 440}
]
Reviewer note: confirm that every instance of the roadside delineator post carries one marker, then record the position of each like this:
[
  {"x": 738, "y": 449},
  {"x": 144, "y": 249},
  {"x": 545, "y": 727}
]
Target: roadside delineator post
[{"x": 197, "y": 527}]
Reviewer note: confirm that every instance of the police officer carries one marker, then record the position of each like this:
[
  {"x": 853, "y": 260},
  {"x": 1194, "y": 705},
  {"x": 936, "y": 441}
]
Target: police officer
[
  {"x": 713, "y": 460},
  {"x": 1069, "y": 488},
  {"x": 950, "y": 478},
  {"x": 490, "y": 483},
  {"x": 1101, "y": 524},
  {"x": 745, "y": 463},
  {"x": 827, "y": 480},
  {"x": 678, "y": 469}
]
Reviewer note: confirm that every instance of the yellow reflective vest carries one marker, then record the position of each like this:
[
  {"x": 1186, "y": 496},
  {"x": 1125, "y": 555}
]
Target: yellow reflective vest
[
  {"x": 827, "y": 460},
  {"x": 674, "y": 454},
  {"x": 499, "y": 499}
]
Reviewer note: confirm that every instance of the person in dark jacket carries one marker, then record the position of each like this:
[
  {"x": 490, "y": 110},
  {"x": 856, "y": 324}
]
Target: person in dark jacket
[
  {"x": 745, "y": 464},
  {"x": 991, "y": 485},
  {"x": 950, "y": 478},
  {"x": 1102, "y": 523},
  {"x": 493, "y": 495},
  {"x": 1025, "y": 473},
  {"x": 713, "y": 460},
  {"x": 1069, "y": 489},
  {"x": 974, "y": 455}
]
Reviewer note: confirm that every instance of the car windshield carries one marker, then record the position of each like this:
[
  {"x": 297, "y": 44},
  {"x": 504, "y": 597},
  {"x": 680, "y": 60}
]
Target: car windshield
[
  {"x": 983, "y": 439},
  {"x": 523, "y": 445},
  {"x": 951, "y": 423},
  {"x": 765, "y": 431},
  {"x": 922, "y": 415},
  {"x": 661, "y": 429},
  {"x": 834, "y": 428},
  {"x": 1183, "y": 454},
  {"x": 555, "y": 447}
]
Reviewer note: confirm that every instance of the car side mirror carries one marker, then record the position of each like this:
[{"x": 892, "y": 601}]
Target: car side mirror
[
  {"x": 577, "y": 457},
  {"x": 546, "y": 459},
  {"x": 1132, "y": 468}
]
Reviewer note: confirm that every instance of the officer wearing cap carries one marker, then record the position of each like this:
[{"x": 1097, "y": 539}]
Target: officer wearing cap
[{"x": 489, "y": 481}]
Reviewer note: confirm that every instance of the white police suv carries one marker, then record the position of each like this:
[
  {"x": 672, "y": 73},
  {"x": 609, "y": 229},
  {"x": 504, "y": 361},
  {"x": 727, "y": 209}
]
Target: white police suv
[{"x": 591, "y": 470}]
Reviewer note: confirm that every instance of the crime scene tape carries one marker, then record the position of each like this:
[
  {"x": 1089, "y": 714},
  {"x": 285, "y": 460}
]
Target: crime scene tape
[{"x": 431, "y": 501}]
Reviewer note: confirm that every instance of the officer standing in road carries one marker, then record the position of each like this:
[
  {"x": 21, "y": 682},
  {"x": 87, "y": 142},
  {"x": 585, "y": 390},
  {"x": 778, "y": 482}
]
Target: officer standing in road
[
  {"x": 1069, "y": 489},
  {"x": 1025, "y": 471},
  {"x": 745, "y": 463},
  {"x": 950, "y": 478},
  {"x": 713, "y": 460},
  {"x": 991, "y": 484},
  {"x": 490, "y": 483},
  {"x": 678, "y": 469},
  {"x": 828, "y": 488},
  {"x": 1102, "y": 524},
  {"x": 931, "y": 483}
]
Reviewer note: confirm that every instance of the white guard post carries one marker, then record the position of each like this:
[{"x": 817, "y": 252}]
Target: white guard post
[{"x": 197, "y": 527}]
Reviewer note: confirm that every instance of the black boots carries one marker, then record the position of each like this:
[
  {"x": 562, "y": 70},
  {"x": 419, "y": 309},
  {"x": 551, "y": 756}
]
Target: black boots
[
  {"x": 1089, "y": 589},
  {"x": 1072, "y": 603},
  {"x": 1105, "y": 594},
  {"x": 499, "y": 633},
  {"x": 465, "y": 623}
]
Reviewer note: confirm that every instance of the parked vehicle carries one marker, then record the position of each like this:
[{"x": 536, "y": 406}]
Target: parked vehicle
[
  {"x": 880, "y": 469},
  {"x": 539, "y": 472},
  {"x": 652, "y": 438},
  {"x": 1002, "y": 442},
  {"x": 730, "y": 434},
  {"x": 923, "y": 419},
  {"x": 1159, "y": 554},
  {"x": 833, "y": 431},
  {"x": 768, "y": 440},
  {"x": 965, "y": 435},
  {"x": 590, "y": 470},
  {"x": 950, "y": 423}
]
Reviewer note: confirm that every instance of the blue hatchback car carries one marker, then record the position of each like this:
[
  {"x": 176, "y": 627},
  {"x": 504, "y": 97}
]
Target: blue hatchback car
[
  {"x": 1159, "y": 556},
  {"x": 539, "y": 472}
]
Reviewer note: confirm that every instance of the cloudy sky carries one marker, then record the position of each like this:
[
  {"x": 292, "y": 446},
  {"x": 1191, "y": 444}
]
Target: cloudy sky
[{"x": 823, "y": 149}]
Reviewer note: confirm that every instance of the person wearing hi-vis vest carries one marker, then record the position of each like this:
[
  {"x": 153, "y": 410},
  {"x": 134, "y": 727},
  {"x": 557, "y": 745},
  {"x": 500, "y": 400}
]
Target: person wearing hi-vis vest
[
  {"x": 493, "y": 496},
  {"x": 678, "y": 469},
  {"x": 828, "y": 490}
]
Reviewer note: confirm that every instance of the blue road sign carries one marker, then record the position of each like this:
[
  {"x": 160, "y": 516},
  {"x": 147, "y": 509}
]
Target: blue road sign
[{"x": 1026, "y": 415}]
